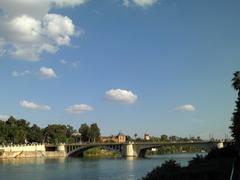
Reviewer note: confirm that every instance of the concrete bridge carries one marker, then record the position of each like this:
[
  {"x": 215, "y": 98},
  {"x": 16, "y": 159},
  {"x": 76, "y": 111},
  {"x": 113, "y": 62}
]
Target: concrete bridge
[{"x": 132, "y": 149}]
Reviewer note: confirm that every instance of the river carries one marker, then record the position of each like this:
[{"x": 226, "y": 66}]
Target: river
[{"x": 85, "y": 168}]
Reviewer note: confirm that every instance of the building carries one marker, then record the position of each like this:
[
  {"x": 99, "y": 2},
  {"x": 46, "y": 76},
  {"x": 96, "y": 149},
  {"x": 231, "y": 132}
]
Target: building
[
  {"x": 146, "y": 137},
  {"x": 120, "y": 138}
]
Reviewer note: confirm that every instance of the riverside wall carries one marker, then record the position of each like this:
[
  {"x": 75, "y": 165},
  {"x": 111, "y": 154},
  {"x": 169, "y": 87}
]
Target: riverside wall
[{"x": 30, "y": 151}]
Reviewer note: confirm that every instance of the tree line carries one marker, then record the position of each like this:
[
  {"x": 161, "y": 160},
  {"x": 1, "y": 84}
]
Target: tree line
[
  {"x": 19, "y": 131},
  {"x": 166, "y": 138}
]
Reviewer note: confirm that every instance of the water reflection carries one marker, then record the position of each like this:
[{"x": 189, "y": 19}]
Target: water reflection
[
  {"x": 84, "y": 168},
  {"x": 29, "y": 161}
]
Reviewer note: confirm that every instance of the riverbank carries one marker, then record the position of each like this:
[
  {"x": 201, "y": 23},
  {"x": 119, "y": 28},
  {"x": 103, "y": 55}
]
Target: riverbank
[
  {"x": 100, "y": 152},
  {"x": 217, "y": 165},
  {"x": 32, "y": 154},
  {"x": 30, "y": 151}
]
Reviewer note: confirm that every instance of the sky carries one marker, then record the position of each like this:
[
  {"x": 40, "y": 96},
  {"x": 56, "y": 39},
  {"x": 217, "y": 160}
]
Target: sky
[{"x": 131, "y": 66}]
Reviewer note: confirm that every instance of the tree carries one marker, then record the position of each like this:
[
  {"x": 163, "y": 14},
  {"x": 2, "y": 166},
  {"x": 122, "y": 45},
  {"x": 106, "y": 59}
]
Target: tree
[
  {"x": 21, "y": 136},
  {"x": 169, "y": 170},
  {"x": 11, "y": 121},
  {"x": 70, "y": 131},
  {"x": 164, "y": 137},
  {"x": 173, "y": 138},
  {"x": 35, "y": 134},
  {"x": 135, "y": 135},
  {"x": 85, "y": 132},
  {"x": 94, "y": 132},
  {"x": 235, "y": 127},
  {"x": 23, "y": 124},
  {"x": 3, "y": 132},
  {"x": 128, "y": 138},
  {"x": 55, "y": 133}
]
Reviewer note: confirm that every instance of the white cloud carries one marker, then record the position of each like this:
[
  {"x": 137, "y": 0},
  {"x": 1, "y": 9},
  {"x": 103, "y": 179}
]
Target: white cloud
[
  {"x": 59, "y": 28},
  {"x": 123, "y": 96},
  {"x": 62, "y": 61},
  {"x": 67, "y": 3},
  {"x": 74, "y": 64},
  {"x": 17, "y": 74},
  {"x": 4, "y": 117},
  {"x": 126, "y": 3},
  {"x": 47, "y": 73},
  {"x": 34, "y": 106},
  {"x": 78, "y": 108},
  {"x": 141, "y": 3},
  {"x": 145, "y": 3},
  {"x": 33, "y": 8},
  {"x": 186, "y": 108},
  {"x": 30, "y": 30}
]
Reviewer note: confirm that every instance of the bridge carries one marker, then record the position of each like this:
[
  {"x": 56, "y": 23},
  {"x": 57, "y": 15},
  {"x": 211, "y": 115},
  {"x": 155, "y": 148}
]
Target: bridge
[{"x": 132, "y": 149}]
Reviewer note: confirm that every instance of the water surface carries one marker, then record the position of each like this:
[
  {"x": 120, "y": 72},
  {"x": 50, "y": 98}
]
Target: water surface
[{"x": 85, "y": 168}]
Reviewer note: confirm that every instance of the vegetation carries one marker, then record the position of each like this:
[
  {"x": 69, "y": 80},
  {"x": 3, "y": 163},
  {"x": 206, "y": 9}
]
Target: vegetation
[
  {"x": 173, "y": 138},
  {"x": 100, "y": 152},
  {"x": 215, "y": 166},
  {"x": 235, "y": 127},
  {"x": 176, "y": 149},
  {"x": 168, "y": 170},
  {"x": 90, "y": 134},
  {"x": 15, "y": 131}
]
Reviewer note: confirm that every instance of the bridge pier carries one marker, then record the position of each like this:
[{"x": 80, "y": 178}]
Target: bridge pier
[
  {"x": 220, "y": 145},
  {"x": 130, "y": 150}
]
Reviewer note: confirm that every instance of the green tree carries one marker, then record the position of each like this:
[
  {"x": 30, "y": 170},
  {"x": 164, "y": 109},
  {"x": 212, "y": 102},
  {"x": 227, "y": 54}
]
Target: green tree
[
  {"x": 85, "y": 132},
  {"x": 235, "y": 127},
  {"x": 135, "y": 135},
  {"x": 94, "y": 132},
  {"x": 23, "y": 124},
  {"x": 11, "y": 121},
  {"x": 70, "y": 132},
  {"x": 3, "y": 132},
  {"x": 35, "y": 134},
  {"x": 173, "y": 138},
  {"x": 164, "y": 137},
  {"x": 21, "y": 136},
  {"x": 55, "y": 133}
]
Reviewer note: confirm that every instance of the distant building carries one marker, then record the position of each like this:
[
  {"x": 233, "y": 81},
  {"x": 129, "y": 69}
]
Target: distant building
[
  {"x": 120, "y": 138},
  {"x": 146, "y": 137}
]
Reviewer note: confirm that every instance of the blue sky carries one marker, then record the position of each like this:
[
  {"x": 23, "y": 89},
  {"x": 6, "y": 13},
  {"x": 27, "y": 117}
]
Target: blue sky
[{"x": 156, "y": 66}]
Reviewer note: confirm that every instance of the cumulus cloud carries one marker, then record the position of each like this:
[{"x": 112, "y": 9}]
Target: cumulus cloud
[
  {"x": 140, "y": 3},
  {"x": 122, "y": 96},
  {"x": 78, "y": 108},
  {"x": 30, "y": 30},
  {"x": 48, "y": 73},
  {"x": 34, "y": 106},
  {"x": 17, "y": 74},
  {"x": 186, "y": 108},
  {"x": 4, "y": 117}
]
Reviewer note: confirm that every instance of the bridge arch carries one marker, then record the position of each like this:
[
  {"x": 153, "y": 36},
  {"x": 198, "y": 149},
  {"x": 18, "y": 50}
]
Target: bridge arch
[
  {"x": 142, "y": 149},
  {"x": 78, "y": 151}
]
